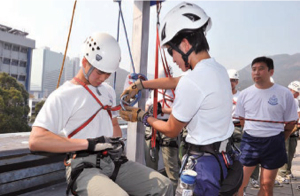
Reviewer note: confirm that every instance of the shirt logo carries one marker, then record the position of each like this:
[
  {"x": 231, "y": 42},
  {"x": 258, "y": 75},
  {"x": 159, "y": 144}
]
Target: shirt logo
[{"x": 273, "y": 100}]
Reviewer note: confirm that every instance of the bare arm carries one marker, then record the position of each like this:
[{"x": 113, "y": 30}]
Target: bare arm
[
  {"x": 116, "y": 128},
  {"x": 43, "y": 140},
  {"x": 288, "y": 129},
  {"x": 171, "y": 128},
  {"x": 167, "y": 110},
  {"x": 242, "y": 121},
  {"x": 161, "y": 83}
]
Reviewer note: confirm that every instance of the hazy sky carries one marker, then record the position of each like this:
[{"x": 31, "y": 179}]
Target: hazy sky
[{"x": 240, "y": 30}]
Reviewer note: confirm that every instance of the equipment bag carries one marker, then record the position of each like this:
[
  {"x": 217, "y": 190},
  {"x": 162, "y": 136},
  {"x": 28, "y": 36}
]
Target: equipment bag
[{"x": 231, "y": 184}]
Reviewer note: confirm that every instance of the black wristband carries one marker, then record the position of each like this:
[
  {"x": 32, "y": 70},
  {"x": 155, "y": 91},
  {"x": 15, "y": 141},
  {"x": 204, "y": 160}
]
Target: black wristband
[
  {"x": 93, "y": 141},
  {"x": 91, "y": 146}
]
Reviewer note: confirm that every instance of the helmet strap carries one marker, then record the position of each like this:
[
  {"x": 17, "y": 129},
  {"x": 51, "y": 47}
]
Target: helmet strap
[
  {"x": 87, "y": 75},
  {"x": 185, "y": 57}
]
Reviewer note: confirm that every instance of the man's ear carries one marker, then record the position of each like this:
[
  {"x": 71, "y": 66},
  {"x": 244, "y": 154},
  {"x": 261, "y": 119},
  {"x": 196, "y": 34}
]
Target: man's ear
[
  {"x": 186, "y": 46},
  {"x": 271, "y": 72},
  {"x": 84, "y": 62}
]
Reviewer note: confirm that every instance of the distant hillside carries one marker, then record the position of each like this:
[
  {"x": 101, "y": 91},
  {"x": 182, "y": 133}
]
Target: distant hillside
[{"x": 286, "y": 70}]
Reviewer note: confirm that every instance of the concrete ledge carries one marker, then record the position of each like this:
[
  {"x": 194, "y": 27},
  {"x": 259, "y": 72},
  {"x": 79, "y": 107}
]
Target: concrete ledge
[{"x": 21, "y": 171}]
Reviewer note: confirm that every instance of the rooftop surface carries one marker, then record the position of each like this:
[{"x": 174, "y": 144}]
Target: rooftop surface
[{"x": 17, "y": 141}]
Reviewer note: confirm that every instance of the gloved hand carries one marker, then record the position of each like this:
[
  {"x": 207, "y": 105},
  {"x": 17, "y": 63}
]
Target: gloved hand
[
  {"x": 102, "y": 143},
  {"x": 159, "y": 109},
  {"x": 132, "y": 90},
  {"x": 132, "y": 114},
  {"x": 117, "y": 150}
]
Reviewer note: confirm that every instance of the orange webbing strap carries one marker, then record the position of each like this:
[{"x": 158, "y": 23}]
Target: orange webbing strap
[
  {"x": 106, "y": 107},
  {"x": 84, "y": 124}
]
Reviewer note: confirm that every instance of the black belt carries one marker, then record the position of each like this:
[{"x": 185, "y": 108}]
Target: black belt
[{"x": 210, "y": 148}]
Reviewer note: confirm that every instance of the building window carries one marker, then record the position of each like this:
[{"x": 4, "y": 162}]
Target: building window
[
  {"x": 16, "y": 48},
  {"x": 6, "y": 61},
  {"x": 14, "y": 76},
  {"x": 7, "y": 46},
  {"x": 24, "y": 50},
  {"x": 23, "y": 64},
  {"x": 14, "y": 62},
  {"x": 22, "y": 78}
]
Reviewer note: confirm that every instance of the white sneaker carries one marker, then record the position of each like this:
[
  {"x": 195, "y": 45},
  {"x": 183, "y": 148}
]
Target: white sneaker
[
  {"x": 277, "y": 184},
  {"x": 283, "y": 180},
  {"x": 254, "y": 183}
]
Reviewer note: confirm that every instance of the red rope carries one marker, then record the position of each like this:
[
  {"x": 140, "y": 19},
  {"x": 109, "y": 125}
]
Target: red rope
[{"x": 268, "y": 121}]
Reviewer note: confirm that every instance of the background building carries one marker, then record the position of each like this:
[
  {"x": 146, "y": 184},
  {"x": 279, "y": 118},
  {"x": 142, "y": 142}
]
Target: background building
[
  {"x": 16, "y": 54},
  {"x": 46, "y": 65}
]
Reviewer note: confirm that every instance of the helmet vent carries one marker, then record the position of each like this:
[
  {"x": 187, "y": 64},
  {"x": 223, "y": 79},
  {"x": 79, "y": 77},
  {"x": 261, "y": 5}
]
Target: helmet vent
[
  {"x": 98, "y": 57},
  {"x": 98, "y": 48},
  {"x": 94, "y": 43},
  {"x": 93, "y": 49},
  {"x": 87, "y": 54},
  {"x": 192, "y": 17}
]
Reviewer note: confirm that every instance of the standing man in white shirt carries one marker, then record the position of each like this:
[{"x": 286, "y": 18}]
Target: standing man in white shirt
[
  {"x": 263, "y": 141},
  {"x": 197, "y": 103}
]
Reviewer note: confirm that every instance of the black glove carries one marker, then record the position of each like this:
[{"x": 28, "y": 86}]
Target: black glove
[
  {"x": 101, "y": 143},
  {"x": 159, "y": 109}
]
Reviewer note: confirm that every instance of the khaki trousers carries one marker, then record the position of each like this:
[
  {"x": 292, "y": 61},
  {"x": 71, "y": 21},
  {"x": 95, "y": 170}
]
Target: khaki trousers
[{"x": 133, "y": 179}]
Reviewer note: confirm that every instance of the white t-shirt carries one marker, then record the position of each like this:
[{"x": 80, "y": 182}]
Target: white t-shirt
[
  {"x": 69, "y": 106},
  {"x": 234, "y": 100},
  {"x": 204, "y": 99},
  {"x": 273, "y": 104},
  {"x": 168, "y": 95}
]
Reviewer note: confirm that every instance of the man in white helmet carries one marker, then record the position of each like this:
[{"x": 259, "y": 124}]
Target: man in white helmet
[
  {"x": 285, "y": 172},
  {"x": 78, "y": 119},
  {"x": 167, "y": 145},
  {"x": 263, "y": 141},
  {"x": 197, "y": 104},
  {"x": 234, "y": 80}
]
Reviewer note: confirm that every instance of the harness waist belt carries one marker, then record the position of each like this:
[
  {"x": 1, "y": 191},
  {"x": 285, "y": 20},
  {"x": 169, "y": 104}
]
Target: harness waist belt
[{"x": 213, "y": 148}]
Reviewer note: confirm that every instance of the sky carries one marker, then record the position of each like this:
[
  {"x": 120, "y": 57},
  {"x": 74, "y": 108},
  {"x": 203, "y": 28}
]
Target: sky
[{"x": 241, "y": 30}]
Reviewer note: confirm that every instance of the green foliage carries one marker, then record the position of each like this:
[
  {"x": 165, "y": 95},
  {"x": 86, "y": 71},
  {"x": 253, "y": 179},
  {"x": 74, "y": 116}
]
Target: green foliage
[
  {"x": 13, "y": 105},
  {"x": 38, "y": 107}
]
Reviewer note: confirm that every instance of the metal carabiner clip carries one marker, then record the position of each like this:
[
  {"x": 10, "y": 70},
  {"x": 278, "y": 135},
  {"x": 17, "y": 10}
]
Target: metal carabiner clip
[
  {"x": 130, "y": 103},
  {"x": 152, "y": 154}
]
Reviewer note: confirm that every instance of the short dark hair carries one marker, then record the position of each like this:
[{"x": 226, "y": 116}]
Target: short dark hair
[
  {"x": 195, "y": 37},
  {"x": 266, "y": 60}
]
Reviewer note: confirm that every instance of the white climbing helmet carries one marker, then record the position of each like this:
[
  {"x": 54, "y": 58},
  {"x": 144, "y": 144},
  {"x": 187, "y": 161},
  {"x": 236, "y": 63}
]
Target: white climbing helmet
[
  {"x": 233, "y": 74},
  {"x": 295, "y": 86},
  {"x": 102, "y": 51},
  {"x": 185, "y": 16}
]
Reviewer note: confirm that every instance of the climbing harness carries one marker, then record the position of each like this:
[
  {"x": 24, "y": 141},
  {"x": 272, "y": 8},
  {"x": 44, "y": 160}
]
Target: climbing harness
[
  {"x": 231, "y": 183},
  {"x": 106, "y": 107},
  {"x": 115, "y": 154}
]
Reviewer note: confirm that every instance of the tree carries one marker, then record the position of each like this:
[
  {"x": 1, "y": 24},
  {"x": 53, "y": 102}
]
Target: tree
[
  {"x": 13, "y": 105},
  {"x": 37, "y": 109}
]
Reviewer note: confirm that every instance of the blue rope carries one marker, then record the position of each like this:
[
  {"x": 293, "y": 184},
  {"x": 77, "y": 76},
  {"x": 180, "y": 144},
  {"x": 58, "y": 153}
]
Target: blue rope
[{"x": 121, "y": 13}]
